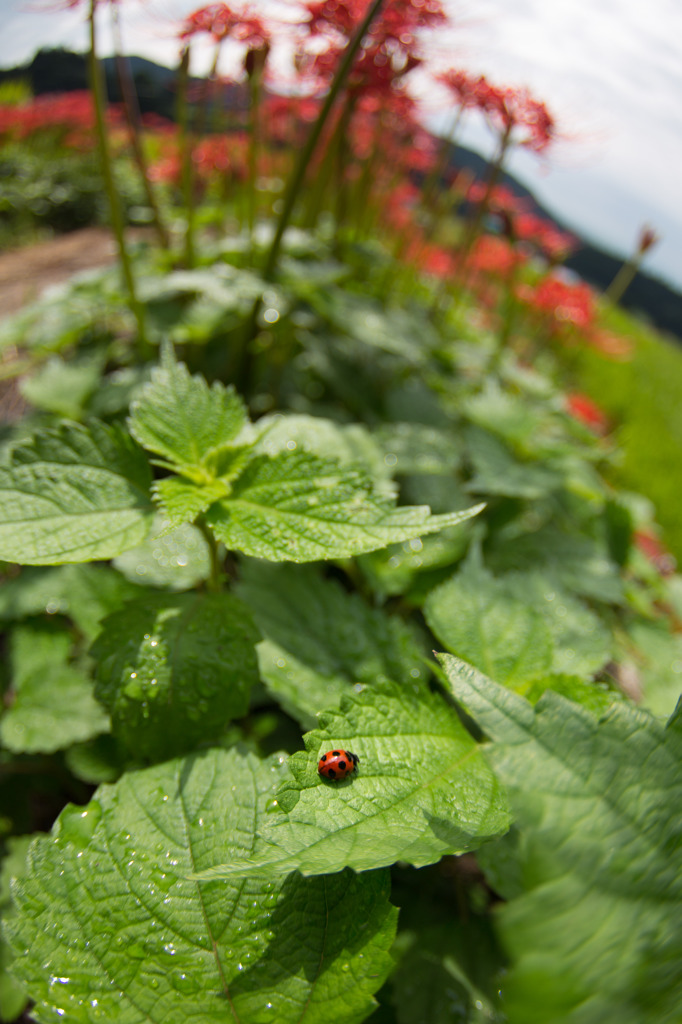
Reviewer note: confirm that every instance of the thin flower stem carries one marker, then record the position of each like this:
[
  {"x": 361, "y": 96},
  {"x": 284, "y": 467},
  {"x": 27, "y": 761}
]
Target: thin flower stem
[
  {"x": 186, "y": 149},
  {"x": 132, "y": 112},
  {"x": 98, "y": 98},
  {"x": 297, "y": 178},
  {"x": 244, "y": 359}
]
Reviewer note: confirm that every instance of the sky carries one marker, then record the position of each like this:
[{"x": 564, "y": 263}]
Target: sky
[{"x": 611, "y": 74}]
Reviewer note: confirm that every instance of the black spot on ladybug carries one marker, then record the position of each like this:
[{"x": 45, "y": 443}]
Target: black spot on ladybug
[
  {"x": 331, "y": 773},
  {"x": 342, "y": 765},
  {"x": 323, "y": 758},
  {"x": 335, "y": 753}
]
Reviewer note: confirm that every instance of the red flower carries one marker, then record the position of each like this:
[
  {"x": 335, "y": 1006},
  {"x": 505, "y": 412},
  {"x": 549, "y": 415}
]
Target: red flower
[
  {"x": 493, "y": 255},
  {"x": 390, "y": 50},
  {"x": 586, "y": 411},
  {"x": 650, "y": 546},
  {"x": 220, "y": 21},
  {"x": 568, "y": 304}
]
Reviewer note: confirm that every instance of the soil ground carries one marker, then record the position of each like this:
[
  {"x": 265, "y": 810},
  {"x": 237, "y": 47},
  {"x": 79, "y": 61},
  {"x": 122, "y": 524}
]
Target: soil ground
[{"x": 25, "y": 273}]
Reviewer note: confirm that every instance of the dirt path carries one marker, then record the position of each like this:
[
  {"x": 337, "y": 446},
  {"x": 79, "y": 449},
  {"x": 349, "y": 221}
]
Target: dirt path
[{"x": 25, "y": 273}]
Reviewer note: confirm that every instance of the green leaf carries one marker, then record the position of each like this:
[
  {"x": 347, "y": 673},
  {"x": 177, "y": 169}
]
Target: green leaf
[
  {"x": 475, "y": 617},
  {"x": 76, "y": 494},
  {"x": 174, "y": 670},
  {"x": 64, "y": 387},
  {"x": 659, "y": 658},
  {"x": 575, "y": 561},
  {"x": 448, "y": 975},
  {"x": 582, "y": 643},
  {"x": 86, "y": 593},
  {"x": 52, "y": 701},
  {"x": 498, "y": 471},
  {"x": 109, "y": 922},
  {"x": 349, "y": 443},
  {"x": 13, "y": 998},
  {"x": 182, "y": 501},
  {"x": 175, "y": 559},
  {"x": 297, "y": 507},
  {"x": 184, "y": 420},
  {"x": 420, "y": 449},
  {"x": 595, "y": 935},
  {"x": 423, "y": 789},
  {"x": 319, "y": 639}
]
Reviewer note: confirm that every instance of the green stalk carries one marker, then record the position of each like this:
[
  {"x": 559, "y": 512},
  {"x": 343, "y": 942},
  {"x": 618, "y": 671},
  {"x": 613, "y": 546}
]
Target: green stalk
[
  {"x": 295, "y": 184},
  {"x": 297, "y": 178},
  {"x": 214, "y": 583},
  {"x": 255, "y": 74},
  {"x": 99, "y": 101},
  {"x": 132, "y": 113},
  {"x": 186, "y": 150}
]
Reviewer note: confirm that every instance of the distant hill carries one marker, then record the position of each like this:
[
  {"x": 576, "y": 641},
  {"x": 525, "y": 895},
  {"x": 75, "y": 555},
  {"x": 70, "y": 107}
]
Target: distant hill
[{"x": 60, "y": 70}]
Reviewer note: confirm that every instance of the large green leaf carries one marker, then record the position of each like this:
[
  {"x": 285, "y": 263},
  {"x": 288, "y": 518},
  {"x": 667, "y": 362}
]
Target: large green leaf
[
  {"x": 184, "y": 420},
  {"x": 52, "y": 700},
  {"x": 109, "y": 927},
  {"x": 319, "y": 638},
  {"x": 174, "y": 670},
  {"x": 86, "y": 593},
  {"x": 423, "y": 789},
  {"x": 475, "y": 617},
  {"x": 76, "y": 494},
  {"x": 297, "y": 507},
  {"x": 13, "y": 997},
  {"x": 595, "y": 934},
  {"x": 582, "y": 643}
]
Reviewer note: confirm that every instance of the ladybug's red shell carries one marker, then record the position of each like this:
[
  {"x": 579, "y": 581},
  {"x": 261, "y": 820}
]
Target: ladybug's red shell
[{"x": 337, "y": 764}]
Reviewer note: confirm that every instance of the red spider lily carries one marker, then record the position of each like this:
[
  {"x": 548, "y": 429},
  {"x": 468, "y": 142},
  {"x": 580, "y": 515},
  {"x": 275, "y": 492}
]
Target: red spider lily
[
  {"x": 494, "y": 255},
  {"x": 390, "y": 50},
  {"x": 651, "y": 547},
  {"x": 518, "y": 116},
  {"x": 397, "y": 22},
  {"x": 221, "y": 21},
  {"x": 72, "y": 113},
  {"x": 500, "y": 201},
  {"x": 465, "y": 88},
  {"x": 586, "y": 411},
  {"x": 59, "y": 110},
  {"x": 283, "y": 116},
  {"x": 555, "y": 244},
  {"x": 568, "y": 304}
]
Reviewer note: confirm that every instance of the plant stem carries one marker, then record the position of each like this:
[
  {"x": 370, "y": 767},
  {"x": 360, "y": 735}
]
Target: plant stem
[
  {"x": 132, "y": 112},
  {"x": 297, "y": 178},
  {"x": 186, "y": 149},
  {"x": 214, "y": 583},
  {"x": 98, "y": 98},
  {"x": 294, "y": 186}
]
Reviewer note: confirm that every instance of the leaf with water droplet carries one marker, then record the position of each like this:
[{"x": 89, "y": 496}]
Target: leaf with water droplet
[
  {"x": 268, "y": 513},
  {"x": 174, "y": 670},
  {"x": 422, "y": 789},
  {"x": 319, "y": 639},
  {"x": 93, "y": 914}
]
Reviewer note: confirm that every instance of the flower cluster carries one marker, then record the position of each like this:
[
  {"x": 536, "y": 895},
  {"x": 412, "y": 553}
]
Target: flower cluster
[
  {"x": 221, "y": 21},
  {"x": 389, "y": 52},
  {"x": 514, "y": 114}
]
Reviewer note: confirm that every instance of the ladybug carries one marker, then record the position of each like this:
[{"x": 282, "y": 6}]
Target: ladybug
[{"x": 337, "y": 764}]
